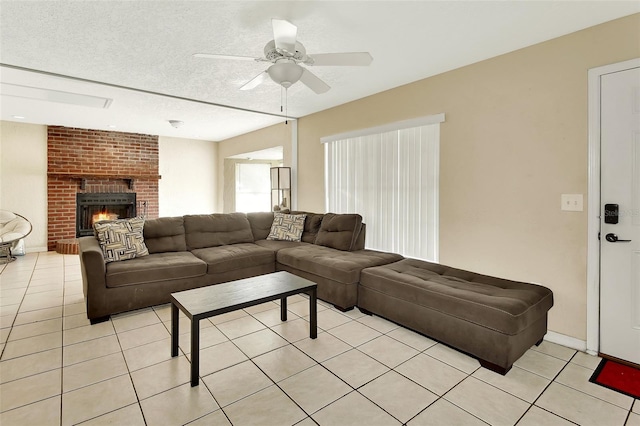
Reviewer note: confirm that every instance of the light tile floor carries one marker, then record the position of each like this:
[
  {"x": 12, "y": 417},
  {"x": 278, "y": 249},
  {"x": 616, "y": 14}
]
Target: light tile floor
[{"x": 56, "y": 368}]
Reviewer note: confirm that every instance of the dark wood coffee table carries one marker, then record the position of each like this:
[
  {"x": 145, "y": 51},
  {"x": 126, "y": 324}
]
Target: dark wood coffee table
[{"x": 205, "y": 302}]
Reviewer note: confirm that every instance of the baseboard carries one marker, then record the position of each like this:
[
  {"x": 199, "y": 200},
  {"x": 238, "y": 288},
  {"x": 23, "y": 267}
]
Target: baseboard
[{"x": 564, "y": 340}]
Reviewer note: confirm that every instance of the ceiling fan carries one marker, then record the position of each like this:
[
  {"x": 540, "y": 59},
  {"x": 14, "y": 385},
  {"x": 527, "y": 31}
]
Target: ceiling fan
[{"x": 288, "y": 55}]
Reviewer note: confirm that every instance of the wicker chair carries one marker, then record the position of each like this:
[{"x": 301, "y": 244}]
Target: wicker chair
[{"x": 13, "y": 228}]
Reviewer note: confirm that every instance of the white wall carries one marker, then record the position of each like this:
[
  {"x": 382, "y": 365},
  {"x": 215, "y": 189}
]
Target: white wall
[
  {"x": 188, "y": 173},
  {"x": 23, "y": 177}
]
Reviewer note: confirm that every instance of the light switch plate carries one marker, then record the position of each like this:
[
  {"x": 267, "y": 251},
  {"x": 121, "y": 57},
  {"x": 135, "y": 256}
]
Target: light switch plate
[{"x": 571, "y": 202}]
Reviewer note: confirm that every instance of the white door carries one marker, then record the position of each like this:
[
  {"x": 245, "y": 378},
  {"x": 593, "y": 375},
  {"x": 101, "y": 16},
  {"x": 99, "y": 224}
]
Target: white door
[{"x": 620, "y": 242}]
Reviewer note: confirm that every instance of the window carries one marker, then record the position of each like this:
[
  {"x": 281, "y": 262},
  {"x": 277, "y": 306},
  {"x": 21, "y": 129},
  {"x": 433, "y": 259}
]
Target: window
[
  {"x": 253, "y": 192},
  {"x": 389, "y": 175}
]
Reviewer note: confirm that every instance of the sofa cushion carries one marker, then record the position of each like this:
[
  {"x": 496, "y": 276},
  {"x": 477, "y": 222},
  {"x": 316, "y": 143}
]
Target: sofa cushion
[
  {"x": 153, "y": 268},
  {"x": 336, "y": 265},
  {"x": 121, "y": 239},
  {"x": 165, "y": 234},
  {"x": 339, "y": 231},
  {"x": 311, "y": 226},
  {"x": 287, "y": 227},
  {"x": 260, "y": 224},
  {"x": 275, "y": 245},
  {"x": 234, "y": 256},
  {"x": 13, "y": 227},
  {"x": 502, "y": 305},
  {"x": 217, "y": 229},
  {"x": 6, "y": 216}
]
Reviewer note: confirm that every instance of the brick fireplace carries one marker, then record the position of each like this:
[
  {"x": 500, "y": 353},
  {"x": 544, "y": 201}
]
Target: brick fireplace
[{"x": 95, "y": 161}]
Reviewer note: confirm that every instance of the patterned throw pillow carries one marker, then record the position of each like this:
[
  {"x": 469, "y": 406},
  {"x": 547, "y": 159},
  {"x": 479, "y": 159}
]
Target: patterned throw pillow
[
  {"x": 121, "y": 239},
  {"x": 287, "y": 227}
]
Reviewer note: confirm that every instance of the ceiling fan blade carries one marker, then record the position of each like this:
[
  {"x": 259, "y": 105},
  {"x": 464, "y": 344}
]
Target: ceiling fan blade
[
  {"x": 340, "y": 59},
  {"x": 255, "y": 81},
  {"x": 313, "y": 82},
  {"x": 284, "y": 34},
  {"x": 233, "y": 57}
]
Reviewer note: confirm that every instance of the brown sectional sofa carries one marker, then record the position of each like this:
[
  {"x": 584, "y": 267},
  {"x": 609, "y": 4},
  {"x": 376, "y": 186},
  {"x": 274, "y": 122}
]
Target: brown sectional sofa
[
  {"x": 492, "y": 319},
  {"x": 198, "y": 250}
]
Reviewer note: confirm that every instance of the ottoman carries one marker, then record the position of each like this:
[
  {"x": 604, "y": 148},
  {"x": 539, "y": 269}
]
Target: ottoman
[{"x": 494, "y": 320}]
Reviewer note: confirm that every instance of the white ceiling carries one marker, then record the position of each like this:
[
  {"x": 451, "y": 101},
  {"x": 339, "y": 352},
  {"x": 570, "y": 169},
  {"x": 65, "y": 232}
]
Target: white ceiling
[{"x": 148, "y": 46}]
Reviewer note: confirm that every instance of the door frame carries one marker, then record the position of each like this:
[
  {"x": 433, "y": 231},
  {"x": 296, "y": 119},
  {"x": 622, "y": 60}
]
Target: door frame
[{"x": 593, "y": 207}]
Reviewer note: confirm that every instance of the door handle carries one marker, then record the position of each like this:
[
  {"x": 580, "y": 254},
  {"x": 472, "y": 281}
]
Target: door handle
[{"x": 613, "y": 238}]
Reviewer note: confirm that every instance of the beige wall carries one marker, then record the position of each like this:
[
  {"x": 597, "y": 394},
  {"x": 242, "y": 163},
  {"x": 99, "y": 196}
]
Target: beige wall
[
  {"x": 188, "y": 183},
  {"x": 514, "y": 140},
  {"x": 23, "y": 177},
  {"x": 273, "y": 136}
]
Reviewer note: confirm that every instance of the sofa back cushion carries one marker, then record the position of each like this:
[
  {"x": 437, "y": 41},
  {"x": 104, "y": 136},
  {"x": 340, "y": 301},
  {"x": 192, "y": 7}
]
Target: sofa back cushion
[
  {"x": 165, "y": 234},
  {"x": 339, "y": 231},
  {"x": 260, "y": 224},
  {"x": 218, "y": 229},
  {"x": 311, "y": 226}
]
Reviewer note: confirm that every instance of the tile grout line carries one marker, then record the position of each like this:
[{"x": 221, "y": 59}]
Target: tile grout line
[
  {"x": 64, "y": 288},
  {"x": 316, "y": 364},
  {"x": 135, "y": 391},
  {"x": 24, "y": 355},
  {"x": 553, "y": 380},
  {"x": 263, "y": 372},
  {"x": 442, "y": 397},
  {"x": 354, "y": 389},
  {"x": 103, "y": 356},
  {"x": 18, "y": 310}
]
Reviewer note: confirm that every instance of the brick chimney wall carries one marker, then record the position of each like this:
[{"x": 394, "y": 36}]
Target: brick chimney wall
[{"x": 106, "y": 161}]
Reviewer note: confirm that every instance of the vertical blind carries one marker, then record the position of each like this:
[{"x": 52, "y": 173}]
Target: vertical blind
[{"x": 389, "y": 175}]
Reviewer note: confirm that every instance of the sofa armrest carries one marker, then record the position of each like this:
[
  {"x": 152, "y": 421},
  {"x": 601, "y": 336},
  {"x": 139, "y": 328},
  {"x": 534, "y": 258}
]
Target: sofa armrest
[{"x": 93, "y": 273}]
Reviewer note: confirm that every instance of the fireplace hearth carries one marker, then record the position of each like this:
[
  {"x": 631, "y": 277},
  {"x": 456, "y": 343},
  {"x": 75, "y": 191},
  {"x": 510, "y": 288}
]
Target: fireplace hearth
[{"x": 95, "y": 206}]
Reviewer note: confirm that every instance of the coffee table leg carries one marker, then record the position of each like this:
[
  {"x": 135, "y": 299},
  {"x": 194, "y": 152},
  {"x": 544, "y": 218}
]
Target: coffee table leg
[
  {"x": 195, "y": 351},
  {"x": 313, "y": 309},
  {"x": 174, "y": 330},
  {"x": 283, "y": 309}
]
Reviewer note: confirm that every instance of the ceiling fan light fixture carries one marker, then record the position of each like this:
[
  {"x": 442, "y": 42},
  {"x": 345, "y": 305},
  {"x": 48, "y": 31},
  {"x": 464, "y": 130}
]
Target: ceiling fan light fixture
[
  {"x": 287, "y": 54},
  {"x": 285, "y": 73}
]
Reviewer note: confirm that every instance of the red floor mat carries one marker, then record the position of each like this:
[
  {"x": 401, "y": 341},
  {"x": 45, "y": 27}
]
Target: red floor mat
[{"x": 619, "y": 377}]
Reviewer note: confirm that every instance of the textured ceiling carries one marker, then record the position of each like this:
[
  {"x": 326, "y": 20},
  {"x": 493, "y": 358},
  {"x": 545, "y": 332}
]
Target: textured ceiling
[{"x": 148, "y": 45}]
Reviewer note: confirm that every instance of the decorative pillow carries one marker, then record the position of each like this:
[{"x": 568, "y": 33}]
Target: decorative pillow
[
  {"x": 287, "y": 227},
  {"x": 121, "y": 239}
]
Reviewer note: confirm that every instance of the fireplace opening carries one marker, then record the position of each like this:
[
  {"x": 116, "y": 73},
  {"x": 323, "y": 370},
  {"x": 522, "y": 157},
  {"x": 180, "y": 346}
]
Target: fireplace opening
[{"x": 93, "y": 207}]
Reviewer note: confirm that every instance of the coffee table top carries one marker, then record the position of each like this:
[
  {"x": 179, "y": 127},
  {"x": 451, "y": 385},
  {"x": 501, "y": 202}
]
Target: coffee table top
[{"x": 226, "y": 297}]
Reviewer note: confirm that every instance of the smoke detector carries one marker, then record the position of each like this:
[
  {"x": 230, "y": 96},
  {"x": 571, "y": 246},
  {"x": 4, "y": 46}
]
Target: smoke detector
[{"x": 176, "y": 123}]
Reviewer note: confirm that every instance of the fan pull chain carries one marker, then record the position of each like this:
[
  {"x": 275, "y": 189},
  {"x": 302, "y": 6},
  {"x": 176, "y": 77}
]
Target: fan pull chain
[
  {"x": 286, "y": 121},
  {"x": 286, "y": 104}
]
